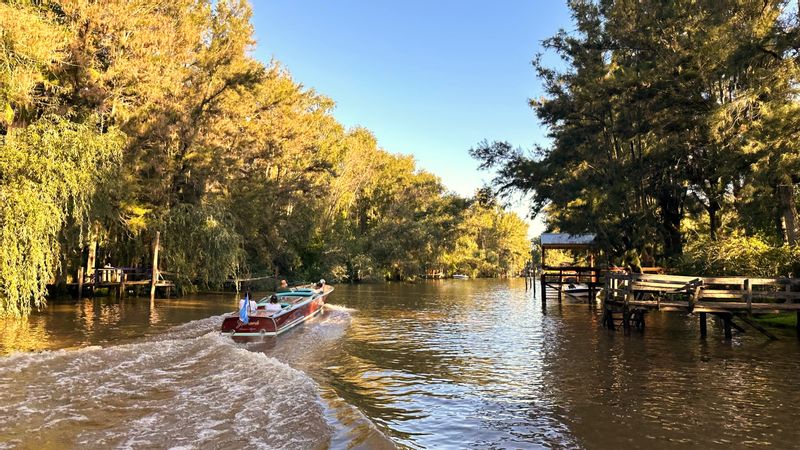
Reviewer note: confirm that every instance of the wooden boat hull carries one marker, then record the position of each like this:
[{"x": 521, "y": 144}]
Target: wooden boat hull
[{"x": 262, "y": 325}]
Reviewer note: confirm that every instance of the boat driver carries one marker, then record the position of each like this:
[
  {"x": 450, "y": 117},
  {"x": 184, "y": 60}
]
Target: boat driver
[
  {"x": 284, "y": 287},
  {"x": 273, "y": 306}
]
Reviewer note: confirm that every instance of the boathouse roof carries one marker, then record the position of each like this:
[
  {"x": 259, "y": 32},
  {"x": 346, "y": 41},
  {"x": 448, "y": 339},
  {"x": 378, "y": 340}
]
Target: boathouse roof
[{"x": 565, "y": 240}]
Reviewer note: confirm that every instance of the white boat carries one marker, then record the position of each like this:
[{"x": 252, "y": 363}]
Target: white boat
[
  {"x": 576, "y": 289},
  {"x": 460, "y": 276}
]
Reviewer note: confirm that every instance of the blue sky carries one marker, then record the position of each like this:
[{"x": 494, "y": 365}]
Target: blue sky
[{"x": 429, "y": 78}]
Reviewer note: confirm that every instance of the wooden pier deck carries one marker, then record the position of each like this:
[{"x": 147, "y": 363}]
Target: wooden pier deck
[
  {"x": 120, "y": 280},
  {"x": 632, "y": 295}
]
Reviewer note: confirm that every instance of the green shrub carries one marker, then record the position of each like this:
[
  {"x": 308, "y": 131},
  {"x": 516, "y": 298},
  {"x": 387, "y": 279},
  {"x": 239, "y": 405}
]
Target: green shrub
[{"x": 738, "y": 255}]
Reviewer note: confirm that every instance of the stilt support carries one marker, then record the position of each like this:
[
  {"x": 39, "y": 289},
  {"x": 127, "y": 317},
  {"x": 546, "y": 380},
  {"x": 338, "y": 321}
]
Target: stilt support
[
  {"x": 154, "y": 274},
  {"x": 703, "y": 326},
  {"x": 726, "y": 324}
]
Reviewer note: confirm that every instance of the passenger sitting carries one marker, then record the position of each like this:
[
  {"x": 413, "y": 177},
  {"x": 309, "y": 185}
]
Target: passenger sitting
[
  {"x": 284, "y": 287},
  {"x": 320, "y": 286},
  {"x": 252, "y": 306},
  {"x": 273, "y": 306}
]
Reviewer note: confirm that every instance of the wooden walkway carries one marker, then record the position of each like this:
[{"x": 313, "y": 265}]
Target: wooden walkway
[{"x": 628, "y": 297}]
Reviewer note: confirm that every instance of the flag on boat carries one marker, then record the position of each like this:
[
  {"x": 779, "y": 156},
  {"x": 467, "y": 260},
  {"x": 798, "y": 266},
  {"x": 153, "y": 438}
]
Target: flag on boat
[{"x": 245, "y": 309}]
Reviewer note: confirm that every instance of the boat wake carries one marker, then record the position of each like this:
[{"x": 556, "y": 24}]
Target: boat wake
[{"x": 189, "y": 388}]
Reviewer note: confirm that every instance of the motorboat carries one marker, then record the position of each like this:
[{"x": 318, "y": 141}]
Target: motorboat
[
  {"x": 297, "y": 306},
  {"x": 576, "y": 289},
  {"x": 460, "y": 276}
]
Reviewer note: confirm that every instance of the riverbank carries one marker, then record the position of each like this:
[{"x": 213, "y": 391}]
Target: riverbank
[{"x": 783, "y": 321}]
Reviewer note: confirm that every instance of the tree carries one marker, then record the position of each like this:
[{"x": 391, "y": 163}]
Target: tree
[{"x": 664, "y": 111}]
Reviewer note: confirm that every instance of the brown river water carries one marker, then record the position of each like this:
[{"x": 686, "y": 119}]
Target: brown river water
[{"x": 445, "y": 364}]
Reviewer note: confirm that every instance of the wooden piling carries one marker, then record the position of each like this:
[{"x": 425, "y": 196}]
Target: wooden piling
[
  {"x": 154, "y": 276},
  {"x": 726, "y": 323},
  {"x": 122, "y": 281},
  {"x": 608, "y": 318},
  {"x": 748, "y": 295},
  {"x": 544, "y": 292},
  {"x": 560, "y": 284},
  {"x": 91, "y": 260},
  {"x": 80, "y": 282},
  {"x": 626, "y": 321},
  {"x": 703, "y": 325}
]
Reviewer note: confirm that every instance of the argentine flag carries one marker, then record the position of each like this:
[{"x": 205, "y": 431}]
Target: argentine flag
[{"x": 245, "y": 309}]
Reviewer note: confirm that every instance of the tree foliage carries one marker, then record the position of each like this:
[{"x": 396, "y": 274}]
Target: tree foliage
[
  {"x": 664, "y": 112},
  {"x": 48, "y": 177},
  {"x": 120, "y": 119}
]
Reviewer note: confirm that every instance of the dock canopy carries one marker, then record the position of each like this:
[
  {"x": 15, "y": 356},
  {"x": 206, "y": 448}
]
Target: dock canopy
[{"x": 568, "y": 241}]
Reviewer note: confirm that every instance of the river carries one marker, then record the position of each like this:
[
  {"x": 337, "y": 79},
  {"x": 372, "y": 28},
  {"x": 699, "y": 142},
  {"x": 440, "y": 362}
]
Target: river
[{"x": 445, "y": 364}]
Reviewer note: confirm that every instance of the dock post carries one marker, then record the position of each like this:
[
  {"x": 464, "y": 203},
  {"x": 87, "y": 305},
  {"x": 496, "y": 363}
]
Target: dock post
[
  {"x": 560, "y": 284},
  {"x": 123, "y": 279},
  {"x": 154, "y": 275},
  {"x": 703, "y": 325},
  {"x": 91, "y": 259},
  {"x": 91, "y": 262},
  {"x": 80, "y": 282},
  {"x": 726, "y": 323},
  {"x": 626, "y": 321},
  {"x": 543, "y": 292}
]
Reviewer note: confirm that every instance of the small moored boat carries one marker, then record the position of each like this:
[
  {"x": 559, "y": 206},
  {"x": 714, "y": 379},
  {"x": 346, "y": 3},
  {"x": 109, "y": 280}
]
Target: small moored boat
[
  {"x": 460, "y": 276},
  {"x": 576, "y": 290},
  {"x": 297, "y": 306},
  {"x": 579, "y": 290}
]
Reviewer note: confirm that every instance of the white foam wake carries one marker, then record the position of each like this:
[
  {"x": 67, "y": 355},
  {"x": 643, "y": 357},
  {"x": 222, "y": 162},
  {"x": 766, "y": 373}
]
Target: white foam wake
[{"x": 182, "y": 389}]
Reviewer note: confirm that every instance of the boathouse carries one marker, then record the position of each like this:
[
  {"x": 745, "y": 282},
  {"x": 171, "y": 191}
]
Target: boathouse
[{"x": 553, "y": 278}]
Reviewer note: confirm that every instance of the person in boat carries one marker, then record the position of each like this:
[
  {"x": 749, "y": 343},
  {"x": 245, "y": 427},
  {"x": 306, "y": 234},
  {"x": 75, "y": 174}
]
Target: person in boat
[
  {"x": 273, "y": 306},
  {"x": 252, "y": 307},
  {"x": 320, "y": 286},
  {"x": 284, "y": 287}
]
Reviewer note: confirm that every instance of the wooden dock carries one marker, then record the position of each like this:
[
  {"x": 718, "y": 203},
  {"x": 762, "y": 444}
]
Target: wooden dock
[
  {"x": 628, "y": 296},
  {"x": 120, "y": 279},
  {"x": 553, "y": 280}
]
